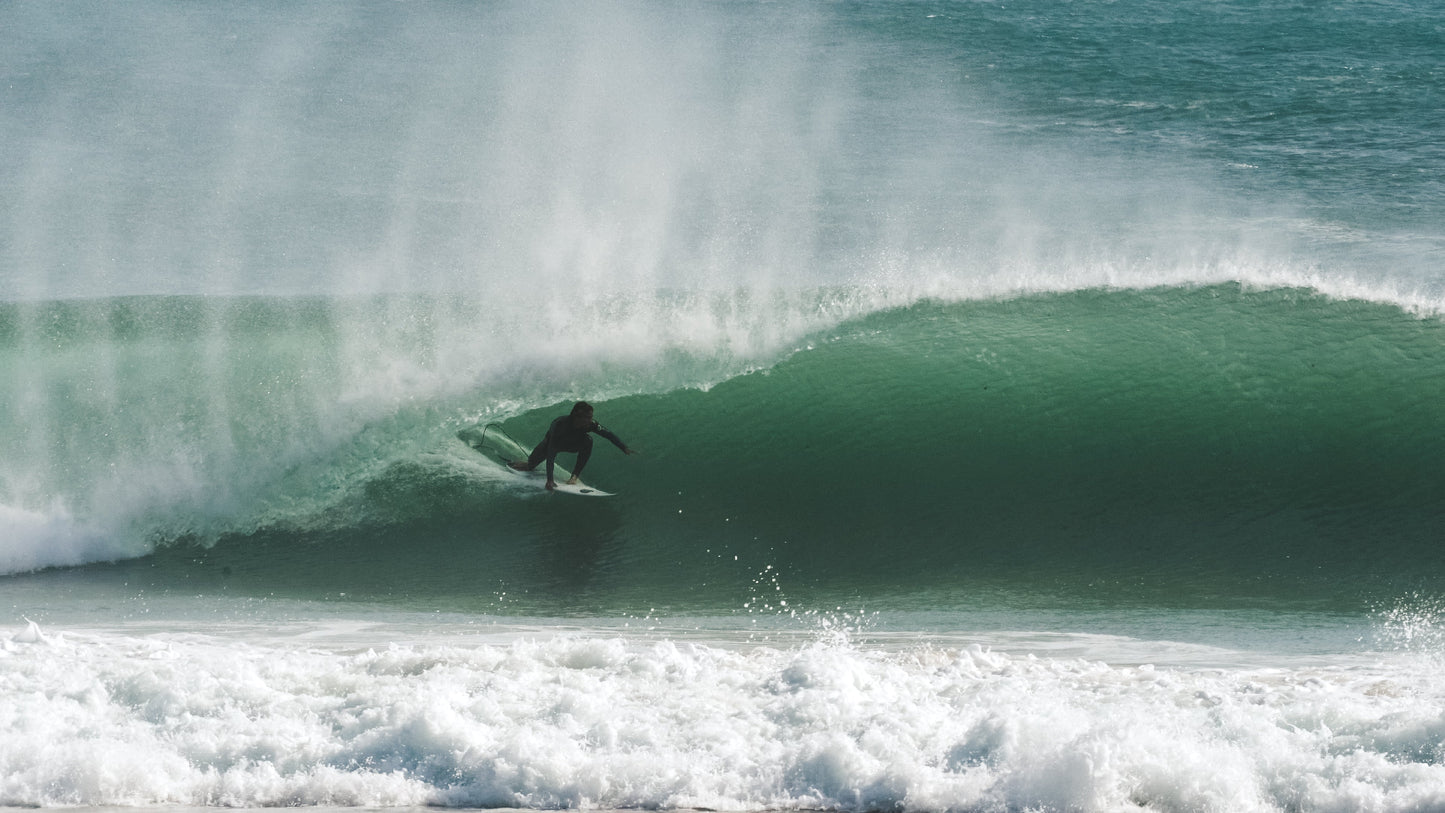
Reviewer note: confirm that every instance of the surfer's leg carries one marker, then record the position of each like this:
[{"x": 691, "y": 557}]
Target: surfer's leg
[
  {"x": 582, "y": 455},
  {"x": 536, "y": 457}
]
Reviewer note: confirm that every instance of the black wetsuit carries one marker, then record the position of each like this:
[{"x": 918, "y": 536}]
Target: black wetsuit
[{"x": 562, "y": 436}]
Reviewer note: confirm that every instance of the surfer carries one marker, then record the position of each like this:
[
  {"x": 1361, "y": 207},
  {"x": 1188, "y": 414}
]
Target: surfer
[{"x": 569, "y": 433}]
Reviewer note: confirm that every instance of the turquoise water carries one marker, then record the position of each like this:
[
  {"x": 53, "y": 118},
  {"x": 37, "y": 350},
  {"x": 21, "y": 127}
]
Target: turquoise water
[{"x": 1037, "y": 405}]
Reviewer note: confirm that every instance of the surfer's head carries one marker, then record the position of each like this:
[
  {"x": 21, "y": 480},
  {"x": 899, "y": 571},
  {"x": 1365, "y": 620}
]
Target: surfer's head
[{"x": 581, "y": 414}]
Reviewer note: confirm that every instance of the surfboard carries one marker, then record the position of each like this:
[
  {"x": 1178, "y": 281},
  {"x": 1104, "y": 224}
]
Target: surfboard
[{"x": 497, "y": 446}]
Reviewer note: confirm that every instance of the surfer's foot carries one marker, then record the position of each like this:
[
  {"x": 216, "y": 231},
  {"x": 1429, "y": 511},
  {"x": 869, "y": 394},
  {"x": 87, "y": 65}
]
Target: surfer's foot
[{"x": 573, "y": 481}]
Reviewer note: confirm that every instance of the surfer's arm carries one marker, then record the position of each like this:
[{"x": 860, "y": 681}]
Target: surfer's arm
[
  {"x": 551, "y": 459},
  {"x": 607, "y": 433}
]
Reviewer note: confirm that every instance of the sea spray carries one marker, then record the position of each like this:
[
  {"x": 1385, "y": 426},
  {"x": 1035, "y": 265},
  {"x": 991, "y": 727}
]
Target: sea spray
[{"x": 1413, "y": 623}]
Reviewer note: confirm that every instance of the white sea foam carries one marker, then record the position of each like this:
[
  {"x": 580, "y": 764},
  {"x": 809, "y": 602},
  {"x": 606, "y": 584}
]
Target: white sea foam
[{"x": 575, "y": 721}]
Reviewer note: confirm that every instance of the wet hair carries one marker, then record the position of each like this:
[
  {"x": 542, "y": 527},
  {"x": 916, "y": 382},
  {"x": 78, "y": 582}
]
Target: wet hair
[{"x": 581, "y": 408}]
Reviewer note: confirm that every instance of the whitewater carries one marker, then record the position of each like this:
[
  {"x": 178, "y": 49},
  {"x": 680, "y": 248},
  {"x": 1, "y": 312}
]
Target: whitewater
[
  {"x": 1038, "y": 406},
  {"x": 508, "y": 718}
]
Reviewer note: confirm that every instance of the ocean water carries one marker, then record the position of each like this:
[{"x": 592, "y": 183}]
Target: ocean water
[{"x": 1039, "y": 405}]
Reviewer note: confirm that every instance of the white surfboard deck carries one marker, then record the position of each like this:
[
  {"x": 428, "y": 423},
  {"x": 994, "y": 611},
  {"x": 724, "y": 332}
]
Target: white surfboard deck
[
  {"x": 538, "y": 477},
  {"x": 493, "y": 443}
]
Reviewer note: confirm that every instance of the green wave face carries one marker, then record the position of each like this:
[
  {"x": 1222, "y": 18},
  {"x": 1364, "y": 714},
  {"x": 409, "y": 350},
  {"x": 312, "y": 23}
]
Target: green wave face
[
  {"x": 1173, "y": 445},
  {"x": 1213, "y": 441}
]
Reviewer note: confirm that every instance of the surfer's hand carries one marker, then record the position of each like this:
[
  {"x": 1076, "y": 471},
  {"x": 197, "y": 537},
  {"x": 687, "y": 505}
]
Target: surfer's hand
[{"x": 630, "y": 450}]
